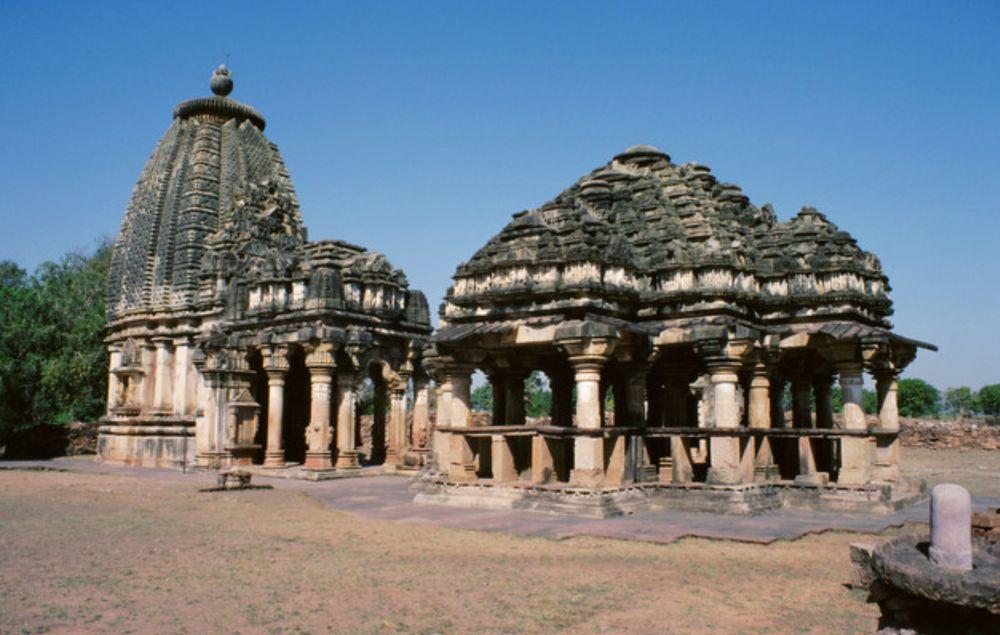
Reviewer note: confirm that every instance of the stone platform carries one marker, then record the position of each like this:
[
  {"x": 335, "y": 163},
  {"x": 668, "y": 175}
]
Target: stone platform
[
  {"x": 389, "y": 498},
  {"x": 747, "y": 499}
]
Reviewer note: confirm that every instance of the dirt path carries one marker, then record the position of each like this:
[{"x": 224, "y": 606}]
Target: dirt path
[{"x": 115, "y": 553}]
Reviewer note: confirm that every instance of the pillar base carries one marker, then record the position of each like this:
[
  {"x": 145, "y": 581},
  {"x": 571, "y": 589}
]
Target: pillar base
[
  {"x": 724, "y": 475},
  {"x": 318, "y": 461},
  {"x": 818, "y": 479},
  {"x": 588, "y": 478},
  {"x": 347, "y": 459},
  {"x": 766, "y": 473},
  {"x": 462, "y": 472},
  {"x": 274, "y": 458},
  {"x": 852, "y": 476}
]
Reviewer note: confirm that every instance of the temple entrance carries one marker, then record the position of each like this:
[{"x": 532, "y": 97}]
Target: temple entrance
[{"x": 296, "y": 408}]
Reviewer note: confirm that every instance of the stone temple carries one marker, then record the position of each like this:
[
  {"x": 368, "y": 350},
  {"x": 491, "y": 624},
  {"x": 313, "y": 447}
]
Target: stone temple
[
  {"x": 668, "y": 314},
  {"x": 233, "y": 339}
]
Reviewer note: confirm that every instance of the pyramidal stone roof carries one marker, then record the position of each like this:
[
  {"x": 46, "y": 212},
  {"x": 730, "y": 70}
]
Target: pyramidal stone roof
[
  {"x": 644, "y": 238},
  {"x": 214, "y": 206}
]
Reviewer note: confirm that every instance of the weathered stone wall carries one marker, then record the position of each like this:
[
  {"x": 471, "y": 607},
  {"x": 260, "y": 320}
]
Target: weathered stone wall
[{"x": 931, "y": 433}]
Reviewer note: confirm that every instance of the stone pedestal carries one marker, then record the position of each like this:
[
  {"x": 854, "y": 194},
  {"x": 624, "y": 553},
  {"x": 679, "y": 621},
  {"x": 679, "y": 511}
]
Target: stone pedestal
[
  {"x": 347, "y": 455},
  {"x": 725, "y": 452},
  {"x": 854, "y": 451}
]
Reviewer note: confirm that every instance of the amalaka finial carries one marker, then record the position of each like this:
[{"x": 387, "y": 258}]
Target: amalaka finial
[{"x": 222, "y": 82}]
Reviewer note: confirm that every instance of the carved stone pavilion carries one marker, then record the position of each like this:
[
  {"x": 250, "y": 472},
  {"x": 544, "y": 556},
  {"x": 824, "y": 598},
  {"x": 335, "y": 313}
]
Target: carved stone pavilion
[
  {"x": 668, "y": 314},
  {"x": 233, "y": 339}
]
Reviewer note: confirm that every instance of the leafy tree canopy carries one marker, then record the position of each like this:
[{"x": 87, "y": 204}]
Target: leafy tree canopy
[
  {"x": 53, "y": 363},
  {"x": 917, "y": 398},
  {"x": 989, "y": 400}
]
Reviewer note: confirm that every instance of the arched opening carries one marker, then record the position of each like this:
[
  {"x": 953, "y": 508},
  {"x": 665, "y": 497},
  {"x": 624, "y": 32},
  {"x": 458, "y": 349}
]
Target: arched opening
[{"x": 295, "y": 414}]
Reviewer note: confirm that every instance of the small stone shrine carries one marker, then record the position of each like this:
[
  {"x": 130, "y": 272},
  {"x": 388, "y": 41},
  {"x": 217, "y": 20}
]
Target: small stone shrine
[
  {"x": 233, "y": 339},
  {"x": 669, "y": 314}
]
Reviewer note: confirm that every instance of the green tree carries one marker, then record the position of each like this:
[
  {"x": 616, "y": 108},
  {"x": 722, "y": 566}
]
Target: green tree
[
  {"x": 961, "y": 401},
  {"x": 989, "y": 400},
  {"x": 917, "y": 398},
  {"x": 53, "y": 362},
  {"x": 537, "y": 396},
  {"x": 482, "y": 398}
]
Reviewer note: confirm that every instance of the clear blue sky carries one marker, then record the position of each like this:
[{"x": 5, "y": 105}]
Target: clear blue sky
[{"x": 416, "y": 129}]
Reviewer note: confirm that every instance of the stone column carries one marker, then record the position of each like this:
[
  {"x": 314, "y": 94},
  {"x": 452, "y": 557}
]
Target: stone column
[
  {"x": 164, "y": 375},
  {"x": 853, "y": 450},
  {"x": 497, "y": 383},
  {"x": 274, "y": 455},
  {"x": 759, "y": 415},
  {"x": 397, "y": 422},
  {"x": 147, "y": 390},
  {"x": 514, "y": 398},
  {"x": 502, "y": 460},
  {"x": 441, "y": 439},
  {"x": 115, "y": 396},
  {"x": 182, "y": 359},
  {"x": 725, "y": 451},
  {"x": 588, "y": 451},
  {"x": 461, "y": 460},
  {"x": 347, "y": 455},
  {"x": 421, "y": 413},
  {"x": 887, "y": 389},
  {"x": 321, "y": 367}
]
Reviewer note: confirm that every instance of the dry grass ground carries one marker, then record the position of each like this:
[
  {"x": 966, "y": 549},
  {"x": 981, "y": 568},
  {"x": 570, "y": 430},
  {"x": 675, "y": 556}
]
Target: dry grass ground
[{"x": 120, "y": 554}]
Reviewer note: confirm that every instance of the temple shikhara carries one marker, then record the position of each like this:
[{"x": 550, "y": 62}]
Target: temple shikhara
[
  {"x": 668, "y": 314},
  {"x": 234, "y": 339}
]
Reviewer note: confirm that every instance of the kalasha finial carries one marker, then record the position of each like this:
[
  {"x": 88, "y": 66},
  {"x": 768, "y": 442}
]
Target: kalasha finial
[{"x": 222, "y": 82}]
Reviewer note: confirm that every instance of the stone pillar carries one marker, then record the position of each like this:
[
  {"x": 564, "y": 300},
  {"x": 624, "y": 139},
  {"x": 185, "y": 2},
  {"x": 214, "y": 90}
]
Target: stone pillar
[
  {"x": 181, "y": 388},
  {"x": 497, "y": 383},
  {"x": 421, "y": 413},
  {"x": 147, "y": 390},
  {"x": 887, "y": 389},
  {"x": 274, "y": 455},
  {"x": 502, "y": 460},
  {"x": 759, "y": 415},
  {"x": 514, "y": 398},
  {"x": 725, "y": 451},
  {"x": 397, "y": 422},
  {"x": 115, "y": 392},
  {"x": 853, "y": 450},
  {"x": 162, "y": 403},
  {"x": 588, "y": 451},
  {"x": 347, "y": 455},
  {"x": 543, "y": 465},
  {"x": 441, "y": 439},
  {"x": 461, "y": 460},
  {"x": 321, "y": 367}
]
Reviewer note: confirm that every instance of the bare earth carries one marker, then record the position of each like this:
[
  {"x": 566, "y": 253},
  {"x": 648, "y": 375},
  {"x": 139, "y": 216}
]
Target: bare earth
[{"x": 101, "y": 553}]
